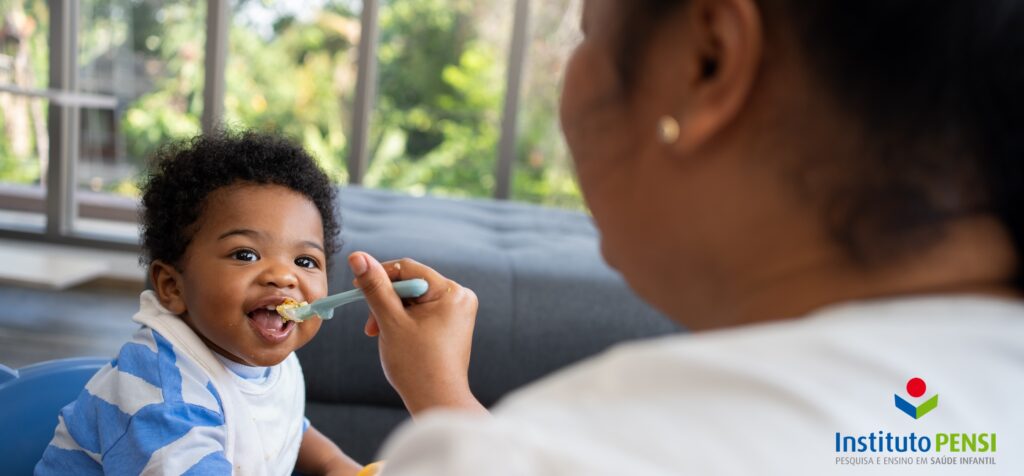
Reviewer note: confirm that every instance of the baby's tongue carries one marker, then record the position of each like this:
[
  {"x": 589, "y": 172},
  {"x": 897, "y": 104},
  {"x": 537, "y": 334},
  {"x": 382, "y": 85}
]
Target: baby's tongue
[{"x": 268, "y": 320}]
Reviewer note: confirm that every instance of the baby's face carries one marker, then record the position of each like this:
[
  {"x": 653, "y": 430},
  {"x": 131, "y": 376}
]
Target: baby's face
[{"x": 254, "y": 246}]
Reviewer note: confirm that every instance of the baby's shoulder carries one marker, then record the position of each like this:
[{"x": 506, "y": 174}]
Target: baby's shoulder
[{"x": 149, "y": 368}]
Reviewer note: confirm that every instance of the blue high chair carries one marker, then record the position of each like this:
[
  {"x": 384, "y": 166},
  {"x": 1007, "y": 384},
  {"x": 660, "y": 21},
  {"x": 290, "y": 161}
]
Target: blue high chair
[{"x": 30, "y": 399}]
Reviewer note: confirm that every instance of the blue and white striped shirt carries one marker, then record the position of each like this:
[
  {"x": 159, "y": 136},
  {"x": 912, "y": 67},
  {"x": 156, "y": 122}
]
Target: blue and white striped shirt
[
  {"x": 132, "y": 413},
  {"x": 154, "y": 410}
]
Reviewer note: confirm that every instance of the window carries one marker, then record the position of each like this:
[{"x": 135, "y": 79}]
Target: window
[
  {"x": 543, "y": 170},
  {"x": 146, "y": 59},
  {"x": 444, "y": 96},
  {"x": 439, "y": 99},
  {"x": 24, "y": 140},
  {"x": 85, "y": 104},
  {"x": 291, "y": 68}
]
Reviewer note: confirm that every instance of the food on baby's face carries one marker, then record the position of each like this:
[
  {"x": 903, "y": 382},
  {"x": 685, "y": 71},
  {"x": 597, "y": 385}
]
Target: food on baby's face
[{"x": 287, "y": 305}]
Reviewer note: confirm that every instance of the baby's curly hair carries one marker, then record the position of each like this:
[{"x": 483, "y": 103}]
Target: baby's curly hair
[{"x": 184, "y": 173}]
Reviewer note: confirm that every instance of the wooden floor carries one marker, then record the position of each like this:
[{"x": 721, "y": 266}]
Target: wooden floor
[{"x": 88, "y": 320}]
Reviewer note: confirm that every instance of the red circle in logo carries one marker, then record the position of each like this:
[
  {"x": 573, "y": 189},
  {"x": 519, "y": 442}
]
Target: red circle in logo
[{"x": 916, "y": 387}]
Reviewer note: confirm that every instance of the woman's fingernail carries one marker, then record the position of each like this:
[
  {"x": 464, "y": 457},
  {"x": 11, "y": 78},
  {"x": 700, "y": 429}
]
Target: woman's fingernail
[{"x": 357, "y": 261}]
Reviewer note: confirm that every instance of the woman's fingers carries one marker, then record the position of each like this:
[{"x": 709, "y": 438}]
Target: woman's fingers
[
  {"x": 424, "y": 345},
  {"x": 394, "y": 269},
  {"x": 371, "y": 329},
  {"x": 373, "y": 278},
  {"x": 376, "y": 285},
  {"x": 408, "y": 268}
]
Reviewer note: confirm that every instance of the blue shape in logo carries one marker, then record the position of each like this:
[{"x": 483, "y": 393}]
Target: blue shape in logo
[{"x": 919, "y": 411}]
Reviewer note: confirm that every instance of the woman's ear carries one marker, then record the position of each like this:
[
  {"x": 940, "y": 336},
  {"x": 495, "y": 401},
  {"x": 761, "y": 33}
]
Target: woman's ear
[
  {"x": 724, "y": 59},
  {"x": 168, "y": 285}
]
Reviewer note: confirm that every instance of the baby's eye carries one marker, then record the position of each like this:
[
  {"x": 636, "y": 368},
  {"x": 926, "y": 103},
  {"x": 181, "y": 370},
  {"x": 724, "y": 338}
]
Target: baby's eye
[
  {"x": 245, "y": 255},
  {"x": 307, "y": 262}
]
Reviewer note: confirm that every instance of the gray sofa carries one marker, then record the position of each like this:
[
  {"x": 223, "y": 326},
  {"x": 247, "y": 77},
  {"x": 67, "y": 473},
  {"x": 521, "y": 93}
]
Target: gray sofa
[{"x": 546, "y": 300}]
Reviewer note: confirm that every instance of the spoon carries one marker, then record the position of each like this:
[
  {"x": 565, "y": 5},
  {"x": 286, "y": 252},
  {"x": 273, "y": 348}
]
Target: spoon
[{"x": 324, "y": 307}]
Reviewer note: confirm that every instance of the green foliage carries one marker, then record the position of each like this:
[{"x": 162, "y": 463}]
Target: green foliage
[
  {"x": 154, "y": 119},
  {"x": 14, "y": 168},
  {"x": 437, "y": 116},
  {"x": 418, "y": 42},
  {"x": 299, "y": 82},
  {"x": 544, "y": 171},
  {"x": 436, "y": 121},
  {"x": 461, "y": 162},
  {"x": 171, "y": 110},
  {"x": 31, "y": 18}
]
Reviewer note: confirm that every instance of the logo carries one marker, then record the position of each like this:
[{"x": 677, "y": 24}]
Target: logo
[
  {"x": 948, "y": 447},
  {"x": 916, "y": 389}
]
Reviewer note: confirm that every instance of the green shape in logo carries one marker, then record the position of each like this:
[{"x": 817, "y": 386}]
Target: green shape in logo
[
  {"x": 927, "y": 406},
  {"x": 919, "y": 411}
]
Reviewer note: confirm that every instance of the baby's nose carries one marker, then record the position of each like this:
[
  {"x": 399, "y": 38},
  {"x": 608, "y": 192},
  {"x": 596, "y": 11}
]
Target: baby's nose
[{"x": 279, "y": 276}]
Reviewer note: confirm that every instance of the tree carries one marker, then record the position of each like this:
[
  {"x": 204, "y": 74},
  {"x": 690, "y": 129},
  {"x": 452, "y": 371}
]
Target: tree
[{"x": 24, "y": 146}]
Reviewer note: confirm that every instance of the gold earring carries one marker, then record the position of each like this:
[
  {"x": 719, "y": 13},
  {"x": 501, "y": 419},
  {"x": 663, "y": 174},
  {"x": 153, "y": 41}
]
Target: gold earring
[{"x": 668, "y": 130}]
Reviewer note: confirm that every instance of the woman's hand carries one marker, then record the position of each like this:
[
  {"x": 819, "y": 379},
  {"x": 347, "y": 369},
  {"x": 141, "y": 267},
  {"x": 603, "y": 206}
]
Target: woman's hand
[{"x": 425, "y": 342}]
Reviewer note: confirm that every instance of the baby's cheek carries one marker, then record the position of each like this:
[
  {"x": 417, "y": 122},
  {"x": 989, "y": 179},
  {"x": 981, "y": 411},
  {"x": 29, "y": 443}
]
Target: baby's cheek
[
  {"x": 310, "y": 329},
  {"x": 315, "y": 288}
]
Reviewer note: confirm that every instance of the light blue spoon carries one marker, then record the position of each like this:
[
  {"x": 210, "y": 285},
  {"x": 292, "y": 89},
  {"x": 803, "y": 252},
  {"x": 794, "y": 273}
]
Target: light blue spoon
[{"x": 324, "y": 307}]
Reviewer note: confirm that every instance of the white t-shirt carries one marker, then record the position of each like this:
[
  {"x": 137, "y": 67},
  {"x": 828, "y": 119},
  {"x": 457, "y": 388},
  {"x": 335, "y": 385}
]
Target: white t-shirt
[{"x": 809, "y": 396}]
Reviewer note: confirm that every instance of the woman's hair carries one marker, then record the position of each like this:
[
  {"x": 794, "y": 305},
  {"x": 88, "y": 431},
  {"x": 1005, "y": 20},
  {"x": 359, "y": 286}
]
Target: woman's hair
[
  {"x": 184, "y": 173},
  {"x": 938, "y": 89}
]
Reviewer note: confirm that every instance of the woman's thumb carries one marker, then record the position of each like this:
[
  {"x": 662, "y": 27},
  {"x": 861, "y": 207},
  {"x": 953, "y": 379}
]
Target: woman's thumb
[{"x": 376, "y": 286}]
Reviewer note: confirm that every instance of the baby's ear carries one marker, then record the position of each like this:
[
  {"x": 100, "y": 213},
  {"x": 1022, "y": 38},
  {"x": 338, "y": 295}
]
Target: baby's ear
[{"x": 168, "y": 285}]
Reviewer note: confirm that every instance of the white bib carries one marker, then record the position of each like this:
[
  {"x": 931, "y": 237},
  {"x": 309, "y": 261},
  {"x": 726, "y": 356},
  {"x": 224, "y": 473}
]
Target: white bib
[{"x": 263, "y": 420}]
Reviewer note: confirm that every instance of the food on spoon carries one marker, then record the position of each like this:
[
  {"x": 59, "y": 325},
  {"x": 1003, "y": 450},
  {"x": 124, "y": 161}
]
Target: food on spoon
[{"x": 288, "y": 305}]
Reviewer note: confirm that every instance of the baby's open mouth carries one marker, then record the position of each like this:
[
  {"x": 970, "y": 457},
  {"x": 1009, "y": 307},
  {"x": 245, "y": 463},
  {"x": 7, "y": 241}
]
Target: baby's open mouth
[{"x": 269, "y": 323}]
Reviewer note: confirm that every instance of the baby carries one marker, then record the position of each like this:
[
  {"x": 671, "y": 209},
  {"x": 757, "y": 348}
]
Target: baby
[{"x": 233, "y": 224}]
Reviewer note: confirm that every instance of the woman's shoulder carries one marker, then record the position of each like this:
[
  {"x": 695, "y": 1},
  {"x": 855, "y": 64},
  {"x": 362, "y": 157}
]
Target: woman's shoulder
[
  {"x": 813, "y": 368},
  {"x": 769, "y": 392}
]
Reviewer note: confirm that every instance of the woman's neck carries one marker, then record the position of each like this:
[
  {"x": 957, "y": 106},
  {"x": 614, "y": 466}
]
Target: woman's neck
[{"x": 974, "y": 256}]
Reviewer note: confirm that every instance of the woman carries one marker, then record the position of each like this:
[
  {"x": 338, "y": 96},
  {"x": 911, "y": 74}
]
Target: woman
[{"x": 828, "y": 192}]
